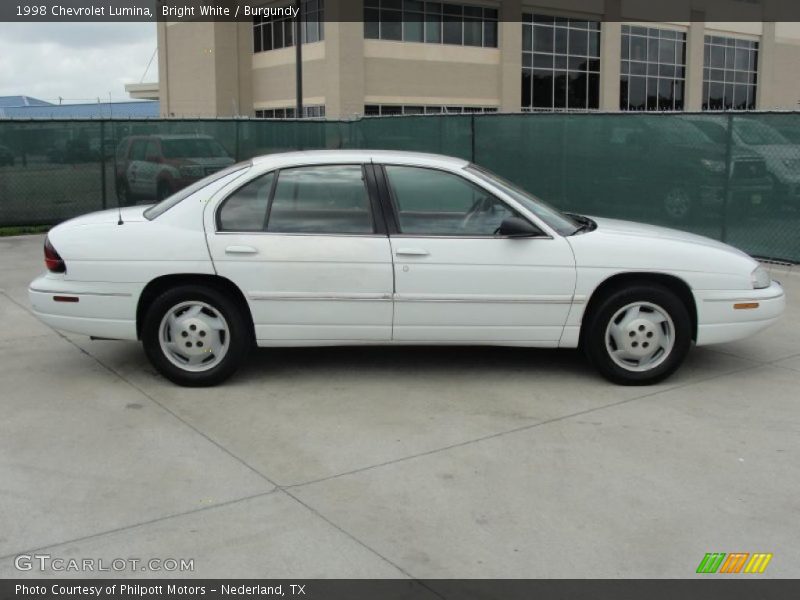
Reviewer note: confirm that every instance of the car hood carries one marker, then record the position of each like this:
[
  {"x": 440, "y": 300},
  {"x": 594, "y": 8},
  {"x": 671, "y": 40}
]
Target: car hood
[
  {"x": 619, "y": 227},
  {"x": 624, "y": 245}
]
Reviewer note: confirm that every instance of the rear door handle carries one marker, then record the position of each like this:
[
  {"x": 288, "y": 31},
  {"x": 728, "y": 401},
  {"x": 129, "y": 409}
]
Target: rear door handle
[
  {"x": 240, "y": 250},
  {"x": 412, "y": 252}
]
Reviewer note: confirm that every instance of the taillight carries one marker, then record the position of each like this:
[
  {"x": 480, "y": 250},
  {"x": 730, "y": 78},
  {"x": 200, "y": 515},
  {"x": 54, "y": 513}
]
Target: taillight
[{"x": 53, "y": 262}]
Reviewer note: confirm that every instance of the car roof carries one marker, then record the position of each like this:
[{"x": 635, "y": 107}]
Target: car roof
[{"x": 359, "y": 156}]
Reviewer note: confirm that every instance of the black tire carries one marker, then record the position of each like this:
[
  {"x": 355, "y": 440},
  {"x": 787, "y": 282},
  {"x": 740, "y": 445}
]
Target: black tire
[
  {"x": 594, "y": 338},
  {"x": 238, "y": 327}
]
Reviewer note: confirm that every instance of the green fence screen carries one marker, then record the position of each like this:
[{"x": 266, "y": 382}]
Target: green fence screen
[{"x": 729, "y": 176}]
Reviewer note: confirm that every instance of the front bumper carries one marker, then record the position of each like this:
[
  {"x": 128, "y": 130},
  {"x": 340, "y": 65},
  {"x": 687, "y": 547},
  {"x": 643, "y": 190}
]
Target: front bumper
[{"x": 725, "y": 316}]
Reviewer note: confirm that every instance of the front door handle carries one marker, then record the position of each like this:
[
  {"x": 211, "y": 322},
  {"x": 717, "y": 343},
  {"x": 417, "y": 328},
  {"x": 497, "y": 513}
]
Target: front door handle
[
  {"x": 412, "y": 252},
  {"x": 240, "y": 250}
]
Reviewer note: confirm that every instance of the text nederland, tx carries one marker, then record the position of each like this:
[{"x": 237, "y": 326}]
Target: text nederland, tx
[{"x": 158, "y": 590}]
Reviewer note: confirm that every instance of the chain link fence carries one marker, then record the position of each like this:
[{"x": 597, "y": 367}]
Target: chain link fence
[{"x": 729, "y": 176}]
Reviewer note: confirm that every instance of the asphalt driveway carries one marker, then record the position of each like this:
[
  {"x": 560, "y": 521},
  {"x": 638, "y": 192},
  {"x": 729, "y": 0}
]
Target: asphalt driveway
[{"x": 394, "y": 462}]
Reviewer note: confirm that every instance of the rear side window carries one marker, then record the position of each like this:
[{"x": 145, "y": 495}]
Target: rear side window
[
  {"x": 246, "y": 209},
  {"x": 163, "y": 206},
  {"x": 330, "y": 199}
]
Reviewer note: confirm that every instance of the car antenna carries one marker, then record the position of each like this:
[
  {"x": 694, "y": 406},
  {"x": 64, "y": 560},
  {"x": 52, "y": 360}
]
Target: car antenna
[{"x": 119, "y": 211}]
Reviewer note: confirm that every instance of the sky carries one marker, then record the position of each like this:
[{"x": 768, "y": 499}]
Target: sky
[{"x": 77, "y": 61}]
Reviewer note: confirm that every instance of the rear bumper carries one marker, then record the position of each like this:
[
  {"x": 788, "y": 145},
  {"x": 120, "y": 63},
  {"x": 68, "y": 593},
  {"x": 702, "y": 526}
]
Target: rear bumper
[
  {"x": 720, "y": 320},
  {"x": 105, "y": 310}
]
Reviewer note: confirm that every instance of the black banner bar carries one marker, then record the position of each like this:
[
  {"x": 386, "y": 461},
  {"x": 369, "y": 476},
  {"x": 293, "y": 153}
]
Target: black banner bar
[
  {"x": 33, "y": 11},
  {"x": 710, "y": 588}
]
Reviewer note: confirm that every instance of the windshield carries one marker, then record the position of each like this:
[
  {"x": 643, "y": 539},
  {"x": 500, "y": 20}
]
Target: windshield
[
  {"x": 163, "y": 206},
  {"x": 192, "y": 148},
  {"x": 562, "y": 223}
]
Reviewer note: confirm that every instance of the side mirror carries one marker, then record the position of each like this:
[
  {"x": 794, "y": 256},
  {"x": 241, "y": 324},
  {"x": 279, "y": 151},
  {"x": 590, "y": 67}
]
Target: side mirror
[{"x": 515, "y": 227}]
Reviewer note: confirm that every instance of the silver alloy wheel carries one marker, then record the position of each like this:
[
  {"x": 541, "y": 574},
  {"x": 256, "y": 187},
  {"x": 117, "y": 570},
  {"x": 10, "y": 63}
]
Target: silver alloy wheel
[
  {"x": 194, "y": 336},
  {"x": 678, "y": 203},
  {"x": 640, "y": 336}
]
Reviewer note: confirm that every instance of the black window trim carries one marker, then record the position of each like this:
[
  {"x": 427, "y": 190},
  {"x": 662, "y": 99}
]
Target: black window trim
[
  {"x": 373, "y": 204},
  {"x": 390, "y": 205}
]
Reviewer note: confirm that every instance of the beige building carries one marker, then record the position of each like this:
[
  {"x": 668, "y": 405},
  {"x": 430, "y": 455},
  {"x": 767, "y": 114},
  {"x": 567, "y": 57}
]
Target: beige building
[{"x": 409, "y": 56}]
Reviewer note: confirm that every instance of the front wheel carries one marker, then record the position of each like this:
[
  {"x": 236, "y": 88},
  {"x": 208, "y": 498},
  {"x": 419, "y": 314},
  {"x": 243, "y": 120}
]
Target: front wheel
[
  {"x": 638, "y": 335},
  {"x": 195, "y": 336}
]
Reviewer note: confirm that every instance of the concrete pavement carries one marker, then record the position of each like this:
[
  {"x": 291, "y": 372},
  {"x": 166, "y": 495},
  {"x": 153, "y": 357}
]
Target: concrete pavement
[{"x": 394, "y": 462}]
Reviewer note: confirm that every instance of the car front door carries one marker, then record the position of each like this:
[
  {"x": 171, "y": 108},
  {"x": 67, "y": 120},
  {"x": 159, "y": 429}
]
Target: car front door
[
  {"x": 457, "y": 280},
  {"x": 305, "y": 248}
]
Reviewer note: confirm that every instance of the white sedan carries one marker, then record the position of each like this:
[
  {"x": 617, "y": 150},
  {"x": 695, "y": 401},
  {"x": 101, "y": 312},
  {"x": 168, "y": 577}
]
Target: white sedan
[{"x": 375, "y": 247}]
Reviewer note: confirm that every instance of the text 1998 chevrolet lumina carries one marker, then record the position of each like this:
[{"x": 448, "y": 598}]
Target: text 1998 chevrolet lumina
[{"x": 376, "y": 247}]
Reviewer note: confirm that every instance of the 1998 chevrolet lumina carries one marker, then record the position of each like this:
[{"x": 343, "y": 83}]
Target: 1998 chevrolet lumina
[{"x": 377, "y": 247}]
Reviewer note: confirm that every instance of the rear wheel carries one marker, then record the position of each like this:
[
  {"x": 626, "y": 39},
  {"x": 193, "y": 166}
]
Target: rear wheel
[
  {"x": 638, "y": 335},
  {"x": 195, "y": 335}
]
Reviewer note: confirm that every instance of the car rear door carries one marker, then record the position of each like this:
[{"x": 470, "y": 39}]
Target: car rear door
[
  {"x": 456, "y": 280},
  {"x": 308, "y": 248}
]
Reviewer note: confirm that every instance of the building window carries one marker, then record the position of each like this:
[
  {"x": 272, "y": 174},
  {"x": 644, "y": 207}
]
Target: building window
[
  {"x": 430, "y": 22},
  {"x": 273, "y": 33},
  {"x": 729, "y": 74},
  {"x": 385, "y": 110},
  {"x": 653, "y": 72},
  {"x": 560, "y": 63},
  {"x": 309, "y": 112}
]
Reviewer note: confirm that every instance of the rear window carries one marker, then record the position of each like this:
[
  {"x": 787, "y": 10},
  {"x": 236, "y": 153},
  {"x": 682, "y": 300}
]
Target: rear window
[{"x": 159, "y": 209}]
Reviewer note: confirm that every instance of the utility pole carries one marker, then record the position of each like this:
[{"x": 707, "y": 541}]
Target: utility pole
[{"x": 298, "y": 26}]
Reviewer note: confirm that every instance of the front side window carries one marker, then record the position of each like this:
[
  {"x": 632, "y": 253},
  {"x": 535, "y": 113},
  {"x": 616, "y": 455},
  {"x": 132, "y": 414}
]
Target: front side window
[
  {"x": 432, "y": 202},
  {"x": 560, "y": 63},
  {"x": 430, "y": 22},
  {"x": 730, "y": 73},
  {"x": 653, "y": 69}
]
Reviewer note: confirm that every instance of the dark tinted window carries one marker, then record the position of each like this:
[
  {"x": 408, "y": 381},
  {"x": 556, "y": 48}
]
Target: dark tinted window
[
  {"x": 163, "y": 206},
  {"x": 321, "y": 199},
  {"x": 246, "y": 208},
  {"x": 431, "y": 202}
]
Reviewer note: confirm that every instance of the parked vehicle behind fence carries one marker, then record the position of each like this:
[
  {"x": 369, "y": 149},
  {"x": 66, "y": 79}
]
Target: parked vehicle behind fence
[
  {"x": 151, "y": 167},
  {"x": 781, "y": 155}
]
